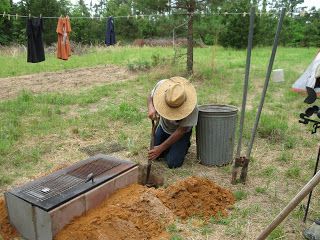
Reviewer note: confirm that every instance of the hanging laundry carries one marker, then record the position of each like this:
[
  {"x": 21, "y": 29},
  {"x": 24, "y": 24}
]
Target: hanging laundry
[
  {"x": 35, "y": 42},
  {"x": 110, "y": 34},
  {"x": 63, "y": 31}
]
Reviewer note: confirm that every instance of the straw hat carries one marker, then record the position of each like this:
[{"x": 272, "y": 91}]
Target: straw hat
[{"x": 175, "y": 98}]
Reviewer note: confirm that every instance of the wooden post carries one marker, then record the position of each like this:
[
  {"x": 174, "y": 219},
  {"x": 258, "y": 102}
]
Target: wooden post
[{"x": 291, "y": 205}]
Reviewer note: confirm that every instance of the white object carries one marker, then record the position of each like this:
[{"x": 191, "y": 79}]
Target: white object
[
  {"x": 277, "y": 75},
  {"x": 307, "y": 79}
]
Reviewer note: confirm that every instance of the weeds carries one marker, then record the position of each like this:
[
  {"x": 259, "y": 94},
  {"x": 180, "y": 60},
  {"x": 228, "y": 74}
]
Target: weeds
[
  {"x": 285, "y": 157},
  {"x": 278, "y": 233},
  {"x": 293, "y": 172},
  {"x": 269, "y": 171},
  {"x": 240, "y": 195},
  {"x": 261, "y": 190},
  {"x": 273, "y": 128}
]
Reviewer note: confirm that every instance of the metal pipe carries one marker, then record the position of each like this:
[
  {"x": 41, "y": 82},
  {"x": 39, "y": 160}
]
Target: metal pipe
[
  {"x": 310, "y": 194},
  {"x": 246, "y": 80},
  {"x": 266, "y": 83},
  {"x": 291, "y": 205}
]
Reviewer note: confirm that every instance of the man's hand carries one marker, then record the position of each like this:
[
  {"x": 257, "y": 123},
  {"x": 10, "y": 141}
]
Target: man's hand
[
  {"x": 152, "y": 113},
  {"x": 155, "y": 152}
]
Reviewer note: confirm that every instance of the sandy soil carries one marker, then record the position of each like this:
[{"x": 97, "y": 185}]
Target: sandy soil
[
  {"x": 64, "y": 80},
  {"x": 137, "y": 212}
]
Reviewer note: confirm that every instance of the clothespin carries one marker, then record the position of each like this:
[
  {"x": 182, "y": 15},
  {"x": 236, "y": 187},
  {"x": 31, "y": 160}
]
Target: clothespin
[
  {"x": 225, "y": 13},
  {"x": 17, "y": 16},
  {"x": 142, "y": 16},
  {"x": 29, "y": 15},
  {"x": 128, "y": 17},
  {"x": 244, "y": 14},
  {"x": 8, "y": 16},
  {"x": 40, "y": 15},
  {"x": 136, "y": 16},
  {"x": 4, "y": 14}
]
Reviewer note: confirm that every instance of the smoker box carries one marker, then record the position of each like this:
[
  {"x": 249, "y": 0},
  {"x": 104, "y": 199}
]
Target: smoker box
[{"x": 41, "y": 208}]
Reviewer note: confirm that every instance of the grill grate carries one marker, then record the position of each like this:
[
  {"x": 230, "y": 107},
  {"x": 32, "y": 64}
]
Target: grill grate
[
  {"x": 53, "y": 187},
  {"x": 96, "y": 167},
  {"x": 57, "y": 188}
]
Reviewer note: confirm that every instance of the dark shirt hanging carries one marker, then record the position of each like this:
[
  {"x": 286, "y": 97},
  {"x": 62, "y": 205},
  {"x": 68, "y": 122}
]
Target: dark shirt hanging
[
  {"x": 110, "y": 34},
  {"x": 35, "y": 43}
]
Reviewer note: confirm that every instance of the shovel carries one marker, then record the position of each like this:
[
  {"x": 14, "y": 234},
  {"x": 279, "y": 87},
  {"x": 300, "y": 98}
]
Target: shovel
[{"x": 155, "y": 123}]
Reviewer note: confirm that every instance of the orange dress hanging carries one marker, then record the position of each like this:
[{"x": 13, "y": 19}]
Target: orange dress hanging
[{"x": 63, "y": 31}]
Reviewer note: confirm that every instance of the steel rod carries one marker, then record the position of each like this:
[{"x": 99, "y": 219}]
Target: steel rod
[
  {"x": 291, "y": 205},
  {"x": 246, "y": 79},
  {"x": 310, "y": 194},
  {"x": 266, "y": 83}
]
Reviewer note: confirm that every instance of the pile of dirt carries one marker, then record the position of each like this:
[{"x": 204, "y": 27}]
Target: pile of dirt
[
  {"x": 196, "y": 196},
  {"x": 137, "y": 212},
  {"x": 7, "y": 232},
  {"x": 132, "y": 213}
]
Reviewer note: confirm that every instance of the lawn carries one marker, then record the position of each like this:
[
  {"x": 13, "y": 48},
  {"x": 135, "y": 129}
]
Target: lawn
[{"x": 42, "y": 132}]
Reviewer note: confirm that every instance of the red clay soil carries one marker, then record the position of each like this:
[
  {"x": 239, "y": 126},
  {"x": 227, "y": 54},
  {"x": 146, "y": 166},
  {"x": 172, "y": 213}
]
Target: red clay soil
[
  {"x": 196, "y": 196},
  {"x": 137, "y": 212},
  {"x": 131, "y": 213},
  {"x": 7, "y": 232}
]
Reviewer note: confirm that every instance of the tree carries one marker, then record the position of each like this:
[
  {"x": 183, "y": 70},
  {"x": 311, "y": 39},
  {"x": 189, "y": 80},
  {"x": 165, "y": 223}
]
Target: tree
[
  {"x": 236, "y": 27},
  {"x": 190, "y": 7},
  {"x": 5, "y": 24}
]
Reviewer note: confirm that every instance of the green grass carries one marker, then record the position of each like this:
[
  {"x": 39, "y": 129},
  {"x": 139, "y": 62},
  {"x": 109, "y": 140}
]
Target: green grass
[
  {"x": 293, "y": 172},
  {"x": 17, "y": 65},
  {"x": 34, "y": 127},
  {"x": 278, "y": 233},
  {"x": 285, "y": 157},
  {"x": 240, "y": 195},
  {"x": 261, "y": 190}
]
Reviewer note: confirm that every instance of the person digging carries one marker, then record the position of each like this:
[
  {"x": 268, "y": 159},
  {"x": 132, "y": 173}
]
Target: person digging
[{"x": 175, "y": 101}]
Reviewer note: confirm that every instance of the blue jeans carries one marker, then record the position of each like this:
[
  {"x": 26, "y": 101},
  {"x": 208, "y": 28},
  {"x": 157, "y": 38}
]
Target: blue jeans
[{"x": 174, "y": 156}]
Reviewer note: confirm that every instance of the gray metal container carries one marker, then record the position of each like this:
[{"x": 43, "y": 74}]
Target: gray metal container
[{"x": 215, "y": 134}]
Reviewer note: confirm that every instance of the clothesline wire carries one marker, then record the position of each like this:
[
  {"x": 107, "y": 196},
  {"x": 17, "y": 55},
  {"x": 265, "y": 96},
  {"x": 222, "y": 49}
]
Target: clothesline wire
[{"x": 136, "y": 16}]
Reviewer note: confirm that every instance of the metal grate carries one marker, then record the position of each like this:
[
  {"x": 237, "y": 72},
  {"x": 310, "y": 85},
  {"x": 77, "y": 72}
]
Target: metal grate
[
  {"x": 53, "y": 187},
  {"x": 96, "y": 167}
]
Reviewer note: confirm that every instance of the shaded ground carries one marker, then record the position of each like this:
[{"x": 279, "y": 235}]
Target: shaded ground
[{"x": 63, "y": 81}]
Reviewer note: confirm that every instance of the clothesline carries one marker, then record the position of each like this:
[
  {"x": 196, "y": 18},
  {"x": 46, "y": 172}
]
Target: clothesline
[{"x": 244, "y": 14}]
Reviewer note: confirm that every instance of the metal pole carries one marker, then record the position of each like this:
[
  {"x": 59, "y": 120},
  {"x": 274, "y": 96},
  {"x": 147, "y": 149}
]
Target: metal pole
[
  {"x": 246, "y": 80},
  {"x": 291, "y": 205},
  {"x": 273, "y": 54},
  {"x": 310, "y": 194}
]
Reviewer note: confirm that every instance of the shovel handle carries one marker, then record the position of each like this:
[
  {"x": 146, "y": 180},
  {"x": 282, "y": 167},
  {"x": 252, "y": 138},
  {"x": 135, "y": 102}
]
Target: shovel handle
[{"x": 155, "y": 123}]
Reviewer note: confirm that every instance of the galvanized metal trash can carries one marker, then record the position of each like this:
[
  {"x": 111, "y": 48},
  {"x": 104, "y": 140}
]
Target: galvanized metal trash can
[{"x": 215, "y": 133}]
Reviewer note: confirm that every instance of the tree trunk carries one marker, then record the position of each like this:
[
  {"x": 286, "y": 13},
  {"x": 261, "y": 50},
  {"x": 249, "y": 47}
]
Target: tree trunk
[{"x": 190, "y": 44}]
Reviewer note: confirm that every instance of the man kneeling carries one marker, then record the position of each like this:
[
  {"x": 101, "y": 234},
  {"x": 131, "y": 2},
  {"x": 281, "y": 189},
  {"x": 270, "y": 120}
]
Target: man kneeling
[{"x": 175, "y": 100}]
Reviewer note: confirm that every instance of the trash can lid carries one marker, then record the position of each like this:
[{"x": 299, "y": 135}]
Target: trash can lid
[{"x": 217, "y": 108}]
